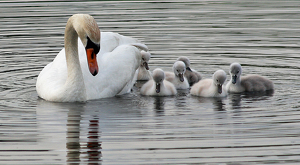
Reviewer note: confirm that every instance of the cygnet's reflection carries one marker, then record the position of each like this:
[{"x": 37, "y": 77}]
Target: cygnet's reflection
[
  {"x": 218, "y": 104},
  {"x": 236, "y": 99},
  {"x": 159, "y": 104}
]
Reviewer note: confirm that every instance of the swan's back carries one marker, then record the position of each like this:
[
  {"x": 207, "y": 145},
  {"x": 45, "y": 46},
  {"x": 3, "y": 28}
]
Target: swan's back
[{"x": 256, "y": 83}]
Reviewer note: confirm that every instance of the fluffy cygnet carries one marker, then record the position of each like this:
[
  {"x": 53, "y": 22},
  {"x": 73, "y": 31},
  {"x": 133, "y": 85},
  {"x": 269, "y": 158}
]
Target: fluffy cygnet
[
  {"x": 158, "y": 86},
  {"x": 250, "y": 83},
  {"x": 177, "y": 76},
  {"x": 192, "y": 75},
  {"x": 143, "y": 72},
  {"x": 211, "y": 87}
]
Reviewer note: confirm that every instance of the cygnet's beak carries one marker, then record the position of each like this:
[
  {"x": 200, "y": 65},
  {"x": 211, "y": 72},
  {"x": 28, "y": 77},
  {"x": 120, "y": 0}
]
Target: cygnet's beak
[
  {"x": 92, "y": 61},
  {"x": 220, "y": 88},
  {"x": 234, "y": 79},
  {"x": 181, "y": 78},
  {"x": 146, "y": 65},
  {"x": 157, "y": 88}
]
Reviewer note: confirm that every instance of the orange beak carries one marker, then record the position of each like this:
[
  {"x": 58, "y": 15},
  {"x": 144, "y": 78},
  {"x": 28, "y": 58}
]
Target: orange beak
[{"x": 92, "y": 61}]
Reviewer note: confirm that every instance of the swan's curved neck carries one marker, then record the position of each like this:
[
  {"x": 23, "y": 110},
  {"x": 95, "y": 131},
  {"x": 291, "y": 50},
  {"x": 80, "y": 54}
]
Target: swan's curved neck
[{"x": 75, "y": 82}]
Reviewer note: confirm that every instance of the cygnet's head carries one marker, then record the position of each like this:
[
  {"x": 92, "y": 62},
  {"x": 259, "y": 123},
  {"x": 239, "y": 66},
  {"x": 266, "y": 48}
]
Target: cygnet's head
[
  {"x": 186, "y": 62},
  {"x": 235, "y": 71},
  {"x": 179, "y": 69},
  {"x": 158, "y": 76},
  {"x": 219, "y": 78},
  {"x": 145, "y": 59}
]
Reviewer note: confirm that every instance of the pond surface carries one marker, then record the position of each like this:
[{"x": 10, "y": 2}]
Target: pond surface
[{"x": 132, "y": 129}]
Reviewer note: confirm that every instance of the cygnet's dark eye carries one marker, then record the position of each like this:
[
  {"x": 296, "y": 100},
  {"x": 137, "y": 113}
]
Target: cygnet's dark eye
[
  {"x": 238, "y": 71},
  {"x": 143, "y": 59}
]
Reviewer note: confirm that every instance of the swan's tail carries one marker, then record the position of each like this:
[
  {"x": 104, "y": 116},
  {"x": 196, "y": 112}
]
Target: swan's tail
[{"x": 140, "y": 46}]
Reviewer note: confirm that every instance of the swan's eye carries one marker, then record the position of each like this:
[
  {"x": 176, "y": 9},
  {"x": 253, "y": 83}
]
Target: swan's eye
[
  {"x": 143, "y": 59},
  {"x": 91, "y": 44},
  {"x": 238, "y": 71}
]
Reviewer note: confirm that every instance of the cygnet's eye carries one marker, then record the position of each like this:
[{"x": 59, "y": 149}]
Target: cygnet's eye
[
  {"x": 238, "y": 71},
  {"x": 177, "y": 70},
  {"x": 217, "y": 80},
  {"x": 143, "y": 59}
]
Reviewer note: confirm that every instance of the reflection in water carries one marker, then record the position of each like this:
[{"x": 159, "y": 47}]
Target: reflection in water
[
  {"x": 93, "y": 143},
  {"x": 159, "y": 105},
  {"x": 235, "y": 99},
  {"x": 217, "y": 102},
  {"x": 73, "y": 136},
  {"x": 74, "y": 148}
]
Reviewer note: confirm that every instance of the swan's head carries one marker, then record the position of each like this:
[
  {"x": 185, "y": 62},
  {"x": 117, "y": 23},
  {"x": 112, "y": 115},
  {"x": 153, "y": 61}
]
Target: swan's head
[
  {"x": 89, "y": 33},
  {"x": 158, "y": 77},
  {"x": 235, "y": 71},
  {"x": 219, "y": 78},
  {"x": 186, "y": 62},
  {"x": 179, "y": 69},
  {"x": 145, "y": 59}
]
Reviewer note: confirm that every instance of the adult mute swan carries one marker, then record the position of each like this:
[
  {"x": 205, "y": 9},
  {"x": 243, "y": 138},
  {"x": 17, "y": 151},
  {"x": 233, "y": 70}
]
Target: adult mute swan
[
  {"x": 80, "y": 73},
  {"x": 158, "y": 86},
  {"x": 191, "y": 75},
  {"x": 250, "y": 83},
  {"x": 177, "y": 76},
  {"x": 211, "y": 87}
]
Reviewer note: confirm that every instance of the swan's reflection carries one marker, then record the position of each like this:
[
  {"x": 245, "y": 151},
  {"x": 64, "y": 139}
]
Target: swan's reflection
[
  {"x": 73, "y": 135},
  {"x": 93, "y": 145},
  {"x": 66, "y": 124}
]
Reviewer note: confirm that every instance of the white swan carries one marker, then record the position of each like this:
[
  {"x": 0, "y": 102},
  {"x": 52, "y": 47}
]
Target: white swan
[
  {"x": 78, "y": 73},
  {"x": 250, "y": 83},
  {"x": 211, "y": 87},
  {"x": 143, "y": 72},
  {"x": 192, "y": 75},
  {"x": 158, "y": 86},
  {"x": 177, "y": 76}
]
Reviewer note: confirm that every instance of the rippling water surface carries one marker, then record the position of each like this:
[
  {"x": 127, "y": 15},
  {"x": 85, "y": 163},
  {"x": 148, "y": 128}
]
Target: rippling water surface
[{"x": 131, "y": 129}]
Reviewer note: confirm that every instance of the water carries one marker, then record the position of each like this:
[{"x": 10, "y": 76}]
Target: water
[{"x": 241, "y": 129}]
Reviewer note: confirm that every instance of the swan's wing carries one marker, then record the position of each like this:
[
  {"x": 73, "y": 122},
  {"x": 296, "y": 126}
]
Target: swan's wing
[
  {"x": 53, "y": 76},
  {"x": 110, "y": 40},
  {"x": 116, "y": 72}
]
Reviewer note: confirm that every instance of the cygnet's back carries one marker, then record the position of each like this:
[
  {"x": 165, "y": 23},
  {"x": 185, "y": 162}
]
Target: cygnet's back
[
  {"x": 158, "y": 86},
  {"x": 250, "y": 83},
  {"x": 192, "y": 75},
  {"x": 177, "y": 76},
  {"x": 211, "y": 87}
]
